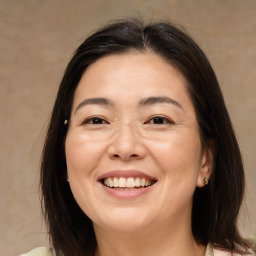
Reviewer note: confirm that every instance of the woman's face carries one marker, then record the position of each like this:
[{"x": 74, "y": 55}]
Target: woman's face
[{"x": 133, "y": 150}]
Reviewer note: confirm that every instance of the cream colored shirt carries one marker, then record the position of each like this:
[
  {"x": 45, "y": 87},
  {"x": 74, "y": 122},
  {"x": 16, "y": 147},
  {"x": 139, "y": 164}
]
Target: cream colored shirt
[
  {"x": 40, "y": 251},
  {"x": 210, "y": 251}
]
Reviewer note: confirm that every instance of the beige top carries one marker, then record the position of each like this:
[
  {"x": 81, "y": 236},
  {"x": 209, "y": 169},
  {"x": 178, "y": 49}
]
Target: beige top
[
  {"x": 210, "y": 251},
  {"x": 39, "y": 251}
]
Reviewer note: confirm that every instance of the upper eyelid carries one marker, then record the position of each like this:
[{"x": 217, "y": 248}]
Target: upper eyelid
[
  {"x": 161, "y": 116},
  {"x": 104, "y": 119},
  {"x": 91, "y": 118}
]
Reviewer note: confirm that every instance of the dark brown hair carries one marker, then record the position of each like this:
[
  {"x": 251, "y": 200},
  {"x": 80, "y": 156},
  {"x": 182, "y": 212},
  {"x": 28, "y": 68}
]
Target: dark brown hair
[{"x": 215, "y": 207}]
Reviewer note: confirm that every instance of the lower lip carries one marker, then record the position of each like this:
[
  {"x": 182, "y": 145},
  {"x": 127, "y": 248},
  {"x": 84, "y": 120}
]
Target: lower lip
[{"x": 127, "y": 194}]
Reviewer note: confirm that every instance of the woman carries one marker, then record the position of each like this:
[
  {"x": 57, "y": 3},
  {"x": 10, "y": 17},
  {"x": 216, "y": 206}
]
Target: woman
[{"x": 140, "y": 156}]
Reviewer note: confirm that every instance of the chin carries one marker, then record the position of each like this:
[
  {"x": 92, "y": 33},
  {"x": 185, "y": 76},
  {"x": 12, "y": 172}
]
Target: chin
[{"x": 125, "y": 222}]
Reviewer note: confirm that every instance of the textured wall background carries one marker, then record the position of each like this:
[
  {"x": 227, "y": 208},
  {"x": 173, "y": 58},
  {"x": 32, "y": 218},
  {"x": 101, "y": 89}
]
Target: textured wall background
[{"x": 37, "y": 38}]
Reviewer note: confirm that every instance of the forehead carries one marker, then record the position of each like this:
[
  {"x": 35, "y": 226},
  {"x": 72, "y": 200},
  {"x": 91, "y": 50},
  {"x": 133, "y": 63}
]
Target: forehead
[
  {"x": 131, "y": 76},
  {"x": 134, "y": 64}
]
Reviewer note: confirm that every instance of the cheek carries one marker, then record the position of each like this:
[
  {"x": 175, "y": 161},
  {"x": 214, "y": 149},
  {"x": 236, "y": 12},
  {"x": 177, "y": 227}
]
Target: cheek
[
  {"x": 177, "y": 151},
  {"x": 179, "y": 164},
  {"x": 179, "y": 160},
  {"x": 83, "y": 154}
]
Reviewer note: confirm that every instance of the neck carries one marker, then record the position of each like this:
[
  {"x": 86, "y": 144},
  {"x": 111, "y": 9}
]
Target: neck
[{"x": 161, "y": 239}]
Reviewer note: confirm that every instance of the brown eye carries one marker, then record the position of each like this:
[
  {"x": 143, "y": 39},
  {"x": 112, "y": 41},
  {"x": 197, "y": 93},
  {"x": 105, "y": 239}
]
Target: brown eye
[
  {"x": 159, "y": 120},
  {"x": 95, "y": 120}
]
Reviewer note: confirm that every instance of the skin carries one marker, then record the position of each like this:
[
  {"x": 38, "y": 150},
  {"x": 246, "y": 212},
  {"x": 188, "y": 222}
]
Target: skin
[{"x": 129, "y": 136}]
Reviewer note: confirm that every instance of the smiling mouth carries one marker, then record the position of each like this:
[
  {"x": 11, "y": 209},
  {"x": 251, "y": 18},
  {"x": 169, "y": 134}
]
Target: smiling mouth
[{"x": 130, "y": 183}]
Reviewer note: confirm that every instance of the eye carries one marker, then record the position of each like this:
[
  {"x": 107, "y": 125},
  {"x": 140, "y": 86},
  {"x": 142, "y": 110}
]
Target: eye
[
  {"x": 95, "y": 120},
  {"x": 159, "y": 120}
]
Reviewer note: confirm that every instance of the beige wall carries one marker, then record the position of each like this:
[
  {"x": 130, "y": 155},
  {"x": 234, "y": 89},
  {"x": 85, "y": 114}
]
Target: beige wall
[{"x": 37, "y": 38}]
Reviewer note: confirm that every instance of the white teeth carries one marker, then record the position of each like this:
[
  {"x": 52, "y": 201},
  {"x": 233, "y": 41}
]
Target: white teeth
[
  {"x": 116, "y": 182},
  {"x": 111, "y": 183},
  {"x": 123, "y": 183},
  {"x": 106, "y": 182},
  {"x": 137, "y": 182},
  {"x": 130, "y": 183}
]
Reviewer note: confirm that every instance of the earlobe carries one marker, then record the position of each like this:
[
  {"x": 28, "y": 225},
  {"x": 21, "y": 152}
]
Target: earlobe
[
  {"x": 205, "y": 181},
  {"x": 207, "y": 162}
]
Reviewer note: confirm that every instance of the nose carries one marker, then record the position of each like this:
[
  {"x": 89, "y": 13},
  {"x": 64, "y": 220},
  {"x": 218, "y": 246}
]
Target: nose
[{"x": 126, "y": 144}]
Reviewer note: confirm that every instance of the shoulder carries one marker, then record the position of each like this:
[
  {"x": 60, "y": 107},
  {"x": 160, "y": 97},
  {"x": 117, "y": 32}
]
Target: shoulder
[
  {"x": 223, "y": 253},
  {"x": 211, "y": 251},
  {"x": 40, "y": 251}
]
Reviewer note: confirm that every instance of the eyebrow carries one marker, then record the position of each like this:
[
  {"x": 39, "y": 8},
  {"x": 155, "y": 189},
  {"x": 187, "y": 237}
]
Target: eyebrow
[
  {"x": 143, "y": 102},
  {"x": 94, "y": 101},
  {"x": 155, "y": 100}
]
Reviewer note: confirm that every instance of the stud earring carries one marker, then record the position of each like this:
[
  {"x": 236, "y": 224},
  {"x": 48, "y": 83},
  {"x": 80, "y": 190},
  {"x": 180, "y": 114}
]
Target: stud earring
[
  {"x": 67, "y": 178},
  {"x": 66, "y": 122},
  {"x": 205, "y": 181}
]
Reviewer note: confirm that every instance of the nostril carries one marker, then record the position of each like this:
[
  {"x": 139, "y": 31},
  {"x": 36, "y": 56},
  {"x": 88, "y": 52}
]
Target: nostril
[{"x": 131, "y": 156}]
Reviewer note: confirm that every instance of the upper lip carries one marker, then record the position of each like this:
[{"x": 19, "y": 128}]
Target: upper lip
[{"x": 125, "y": 174}]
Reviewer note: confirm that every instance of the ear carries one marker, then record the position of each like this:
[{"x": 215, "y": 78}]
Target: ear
[{"x": 206, "y": 165}]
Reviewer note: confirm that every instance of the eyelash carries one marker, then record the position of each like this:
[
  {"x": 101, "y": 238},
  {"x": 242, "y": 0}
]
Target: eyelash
[
  {"x": 90, "y": 120},
  {"x": 163, "y": 120}
]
